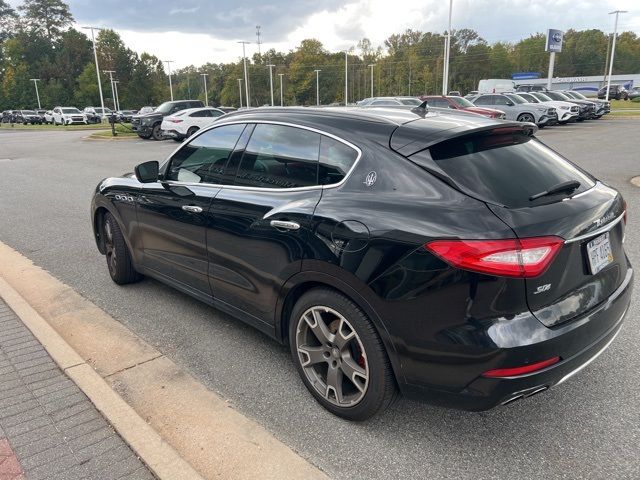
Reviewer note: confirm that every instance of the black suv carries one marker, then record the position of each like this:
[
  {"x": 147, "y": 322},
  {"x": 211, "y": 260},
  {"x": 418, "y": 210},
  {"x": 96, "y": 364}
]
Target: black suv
[
  {"x": 456, "y": 258},
  {"x": 148, "y": 125},
  {"x": 617, "y": 92},
  {"x": 27, "y": 117}
]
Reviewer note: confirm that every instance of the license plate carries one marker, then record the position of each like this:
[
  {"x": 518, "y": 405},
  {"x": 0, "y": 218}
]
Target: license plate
[{"x": 599, "y": 252}]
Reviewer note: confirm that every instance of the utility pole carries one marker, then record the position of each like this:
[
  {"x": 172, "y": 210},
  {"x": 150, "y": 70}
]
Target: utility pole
[
  {"x": 613, "y": 50},
  {"x": 258, "y": 35},
  {"x": 447, "y": 49},
  {"x": 281, "y": 89},
  {"x": 169, "y": 62},
  {"x": 113, "y": 90},
  {"x": 95, "y": 56},
  {"x": 246, "y": 78},
  {"x": 371, "y": 65},
  {"x": 606, "y": 62},
  {"x": 115, "y": 84},
  {"x": 240, "y": 90},
  {"x": 346, "y": 77},
  {"x": 206, "y": 94},
  {"x": 271, "y": 81},
  {"x": 35, "y": 83},
  {"x": 317, "y": 86}
]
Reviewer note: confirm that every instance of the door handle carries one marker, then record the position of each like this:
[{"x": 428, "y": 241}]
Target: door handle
[
  {"x": 192, "y": 209},
  {"x": 285, "y": 225}
]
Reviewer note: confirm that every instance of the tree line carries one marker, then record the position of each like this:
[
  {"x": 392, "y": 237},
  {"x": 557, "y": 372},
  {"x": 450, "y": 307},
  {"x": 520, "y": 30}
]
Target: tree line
[{"x": 37, "y": 41}]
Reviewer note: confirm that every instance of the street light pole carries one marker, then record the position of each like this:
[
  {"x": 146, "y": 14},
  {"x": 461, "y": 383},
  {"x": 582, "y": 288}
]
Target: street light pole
[
  {"x": 281, "y": 90},
  {"x": 317, "y": 86},
  {"x": 371, "y": 65},
  {"x": 240, "y": 90},
  {"x": 115, "y": 84},
  {"x": 206, "y": 94},
  {"x": 95, "y": 56},
  {"x": 113, "y": 90},
  {"x": 613, "y": 49},
  {"x": 169, "y": 62},
  {"x": 35, "y": 83},
  {"x": 445, "y": 76},
  {"x": 271, "y": 81},
  {"x": 346, "y": 74},
  {"x": 246, "y": 78}
]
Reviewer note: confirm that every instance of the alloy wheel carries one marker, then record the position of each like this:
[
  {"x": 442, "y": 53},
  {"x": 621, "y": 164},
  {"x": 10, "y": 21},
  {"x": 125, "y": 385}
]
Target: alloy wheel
[
  {"x": 527, "y": 118},
  {"x": 332, "y": 356},
  {"x": 110, "y": 248}
]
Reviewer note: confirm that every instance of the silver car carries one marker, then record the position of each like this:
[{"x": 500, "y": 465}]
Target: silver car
[
  {"x": 516, "y": 108},
  {"x": 566, "y": 111}
]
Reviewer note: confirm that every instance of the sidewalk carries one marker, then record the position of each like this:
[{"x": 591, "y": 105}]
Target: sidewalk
[{"x": 48, "y": 427}]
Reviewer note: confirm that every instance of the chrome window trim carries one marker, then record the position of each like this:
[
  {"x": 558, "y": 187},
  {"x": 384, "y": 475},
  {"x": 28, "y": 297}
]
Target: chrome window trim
[
  {"x": 597, "y": 232},
  {"x": 265, "y": 189}
]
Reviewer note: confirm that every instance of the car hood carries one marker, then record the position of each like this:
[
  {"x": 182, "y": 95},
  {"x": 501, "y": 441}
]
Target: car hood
[
  {"x": 147, "y": 115},
  {"x": 483, "y": 110},
  {"x": 558, "y": 103}
]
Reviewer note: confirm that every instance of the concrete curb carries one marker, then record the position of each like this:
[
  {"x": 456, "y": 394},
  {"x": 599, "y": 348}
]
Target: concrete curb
[
  {"x": 160, "y": 457},
  {"x": 108, "y": 139}
]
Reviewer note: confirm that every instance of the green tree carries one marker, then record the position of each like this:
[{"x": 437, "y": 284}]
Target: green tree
[{"x": 49, "y": 17}]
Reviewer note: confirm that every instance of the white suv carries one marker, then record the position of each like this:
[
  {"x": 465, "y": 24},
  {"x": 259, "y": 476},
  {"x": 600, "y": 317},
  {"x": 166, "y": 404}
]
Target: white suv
[
  {"x": 68, "y": 116},
  {"x": 185, "y": 123}
]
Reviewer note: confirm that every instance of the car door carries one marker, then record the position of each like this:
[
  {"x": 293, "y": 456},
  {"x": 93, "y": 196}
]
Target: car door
[
  {"x": 259, "y": 228},
  {"x": 503, "y": 103},
  {"x": 173, "y": 212}
]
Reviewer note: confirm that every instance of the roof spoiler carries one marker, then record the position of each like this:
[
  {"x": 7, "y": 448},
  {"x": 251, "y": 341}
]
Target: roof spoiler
[{"x": 421, "y": 109}]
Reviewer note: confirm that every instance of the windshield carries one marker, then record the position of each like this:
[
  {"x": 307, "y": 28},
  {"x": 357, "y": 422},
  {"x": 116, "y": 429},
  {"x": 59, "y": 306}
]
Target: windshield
[
  {"x": 558, "y": 96},
  {"x": 542, "y": 97},
  {"x": 507, "y": 168},
  {"x": 515, "y": 98},
  {"x": 579, "y": 95},
  {"x": 463, "y": 102},
  {"x": 100, "y": 110},
  {"x": 165, "y": 107},
  {"x": 70, "y": 110}
]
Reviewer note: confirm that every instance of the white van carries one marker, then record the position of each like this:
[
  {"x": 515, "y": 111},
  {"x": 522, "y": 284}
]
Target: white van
[{"x": 496, "y": 85}]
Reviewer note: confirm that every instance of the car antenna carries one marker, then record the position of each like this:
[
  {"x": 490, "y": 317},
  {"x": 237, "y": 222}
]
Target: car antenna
[{"x": 421, "y": 109}]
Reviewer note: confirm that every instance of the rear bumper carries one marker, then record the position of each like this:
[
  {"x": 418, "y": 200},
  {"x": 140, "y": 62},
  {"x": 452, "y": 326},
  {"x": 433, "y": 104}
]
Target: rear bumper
[
  {"x": 173, "y": 134},
  {"x": 578, "y": 343}
]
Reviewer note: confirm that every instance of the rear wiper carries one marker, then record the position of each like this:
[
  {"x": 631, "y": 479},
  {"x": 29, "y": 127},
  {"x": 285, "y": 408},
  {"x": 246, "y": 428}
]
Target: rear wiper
[{"x": 568, "y": 187}]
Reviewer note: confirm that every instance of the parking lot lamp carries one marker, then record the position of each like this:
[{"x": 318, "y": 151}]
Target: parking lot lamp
[
  {"x": 206, "y": 94},
  {"x": 35, "y": 83},
  {"x": 346, "y": 75},
  {"x": 169, "y": 62},
  {"x": 246, "y": 78},
  {"x": 271, "y": 81},
  {"x": 371, "y": 65},
  {"x": 281, "y": 90},
  {"x": 317, "y": 86},
  {"x": 95, "y": 56},
  {"x": 447, "y": 48},
  {"x": 115, "y": 84},
  {"x": 240, "y": 90},
  {"x": 613, "y": 49},
  {"x": 113, "y": 89}
]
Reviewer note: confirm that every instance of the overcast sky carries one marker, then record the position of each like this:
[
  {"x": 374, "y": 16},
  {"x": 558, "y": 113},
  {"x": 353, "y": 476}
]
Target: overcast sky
[{"x": 200, "y": 31}]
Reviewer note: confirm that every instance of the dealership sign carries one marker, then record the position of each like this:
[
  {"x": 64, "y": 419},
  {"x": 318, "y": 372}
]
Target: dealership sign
[{"x": 554, "y": 41}]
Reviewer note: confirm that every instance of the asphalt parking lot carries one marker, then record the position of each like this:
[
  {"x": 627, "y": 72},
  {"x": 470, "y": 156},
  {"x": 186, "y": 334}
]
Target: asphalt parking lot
[{"x": 587, "y": 428}]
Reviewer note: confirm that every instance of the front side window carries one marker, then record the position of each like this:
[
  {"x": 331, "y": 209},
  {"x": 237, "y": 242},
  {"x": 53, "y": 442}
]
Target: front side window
[
  {"x": 485, "y": 100},
  {"x": 278, "y": 156},
  {"x": 203, "y": 159}
]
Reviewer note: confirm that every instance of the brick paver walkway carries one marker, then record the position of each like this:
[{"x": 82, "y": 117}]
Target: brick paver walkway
[{"x": 48, "y": 427}]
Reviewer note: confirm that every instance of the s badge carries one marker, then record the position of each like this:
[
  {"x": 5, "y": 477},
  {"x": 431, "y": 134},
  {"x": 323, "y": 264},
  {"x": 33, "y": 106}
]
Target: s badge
[{"x": 542, "y": 288}]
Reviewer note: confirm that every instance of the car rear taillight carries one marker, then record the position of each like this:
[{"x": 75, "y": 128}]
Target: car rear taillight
[
  {"x": 514, "y": 257},
  {"x": 522, "y": 370}
]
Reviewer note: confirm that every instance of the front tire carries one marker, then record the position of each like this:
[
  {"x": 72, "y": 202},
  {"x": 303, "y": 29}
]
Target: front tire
[
  {"x": 339, "y": 355},
  {"x": 117, "y": 254},
  {"x": 526, "y": 117},
  {"x": 156, "y": 133}
]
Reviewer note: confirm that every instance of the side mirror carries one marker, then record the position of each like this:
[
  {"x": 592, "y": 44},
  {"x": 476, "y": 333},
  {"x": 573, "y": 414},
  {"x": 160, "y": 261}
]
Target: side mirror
[
  {"x": 510, "y": 103},
  {"x": 147, "y": 172}
]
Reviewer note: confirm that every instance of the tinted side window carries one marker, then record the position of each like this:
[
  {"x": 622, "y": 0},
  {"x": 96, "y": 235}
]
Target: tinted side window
[
  {"x": 336, "y": 159},
  {"x": 500, "y": 100},
  {"x": 201, "y": 113},
  {"x": 486, "y": 100},
  {"x": 203, "y": 159},
  {"x": 278, "y": 156}
]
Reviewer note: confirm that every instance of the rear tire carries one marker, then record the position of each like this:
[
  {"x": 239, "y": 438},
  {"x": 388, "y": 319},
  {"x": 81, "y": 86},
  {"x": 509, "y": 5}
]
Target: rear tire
[
  {"x": 339, "y": 355},
  {"x": 191, "y": 131},
  {"x": 117, "y": 254}
]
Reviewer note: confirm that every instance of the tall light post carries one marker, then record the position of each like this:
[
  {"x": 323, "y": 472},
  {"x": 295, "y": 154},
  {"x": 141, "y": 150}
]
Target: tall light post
[
  {"x": 35, "y": 84},
  {"x": 206, "y": 94},
  {"x": 246, "y": 78},
  {"x": 281, "y": 89},
  {"x": 95, "y": 56},
  {"x": 240, "y": 90},
  {"x": 371, "y": 65},
  {"x": 613, "y": 49},
  {"x": 346, "y": 76},
  {"x": 115, "y": 84},
  {"x": 317, "y": 86},
  {"x": 271, "y": 81},
  {"x": 113, "y": 89},
  {"x": 169, "y": 62},
  {"x": 447, "y": 48}
]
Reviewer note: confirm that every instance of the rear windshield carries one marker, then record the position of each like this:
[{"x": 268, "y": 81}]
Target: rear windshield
[{"x": 507, "y": 168}]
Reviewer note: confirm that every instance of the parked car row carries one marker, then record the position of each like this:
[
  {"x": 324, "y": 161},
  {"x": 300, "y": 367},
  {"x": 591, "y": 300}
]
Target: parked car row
[{"x": 68, "y": 116}]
